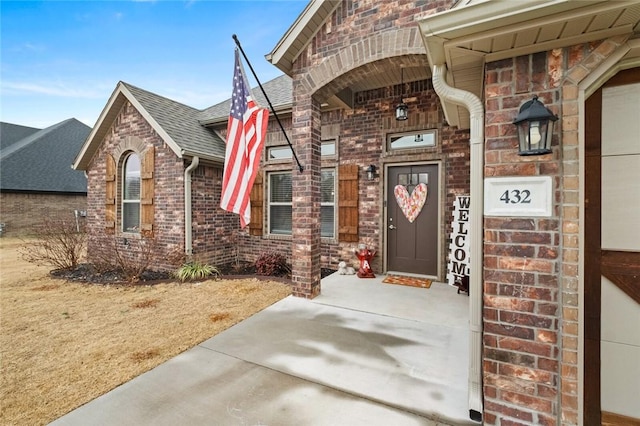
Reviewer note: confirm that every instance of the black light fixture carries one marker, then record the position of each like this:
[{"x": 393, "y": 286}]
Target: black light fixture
[
  {"x": 535, "y": 128},
  {"x": 402, "y": 110},
  {"x": 371, "y": 172}
]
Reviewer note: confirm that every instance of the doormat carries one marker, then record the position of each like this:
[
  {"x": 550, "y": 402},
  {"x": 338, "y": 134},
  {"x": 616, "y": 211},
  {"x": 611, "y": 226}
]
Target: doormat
[{"x": 405, "y": 280}]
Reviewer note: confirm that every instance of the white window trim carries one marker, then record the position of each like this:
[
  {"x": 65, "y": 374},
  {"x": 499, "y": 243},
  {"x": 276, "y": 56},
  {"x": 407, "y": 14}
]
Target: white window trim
[
  {"x": 130, "y": 201},
  {"x": 433, "y": 132},
  {"x": 322, "y": 204},
  {"x": 334, "y": 203}
]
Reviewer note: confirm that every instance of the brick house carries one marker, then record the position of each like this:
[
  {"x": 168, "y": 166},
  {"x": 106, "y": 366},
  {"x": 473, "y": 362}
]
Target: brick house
[
  {"x": 551, "y": 302},
  {"x": 36, "y": 178}
]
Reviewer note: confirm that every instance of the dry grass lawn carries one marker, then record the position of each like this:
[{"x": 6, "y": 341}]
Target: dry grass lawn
[{"x": 63, "y": 344}]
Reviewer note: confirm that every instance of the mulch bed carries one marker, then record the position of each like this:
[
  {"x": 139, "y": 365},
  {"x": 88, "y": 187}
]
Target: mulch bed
[{"x": 87, "y": 273}]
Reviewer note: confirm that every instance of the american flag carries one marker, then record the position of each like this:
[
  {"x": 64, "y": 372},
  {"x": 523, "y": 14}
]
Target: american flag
[{"x": 245, "y": 139}]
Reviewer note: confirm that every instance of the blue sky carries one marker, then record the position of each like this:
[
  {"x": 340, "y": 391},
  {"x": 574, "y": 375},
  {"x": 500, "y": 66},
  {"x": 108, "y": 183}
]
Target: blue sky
[{"x": 63, "y": 59}]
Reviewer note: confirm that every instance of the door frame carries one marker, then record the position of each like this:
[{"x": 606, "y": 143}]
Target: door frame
[
  {"x": 589, "y": 297},
  {"x": 385, "y": 214}
]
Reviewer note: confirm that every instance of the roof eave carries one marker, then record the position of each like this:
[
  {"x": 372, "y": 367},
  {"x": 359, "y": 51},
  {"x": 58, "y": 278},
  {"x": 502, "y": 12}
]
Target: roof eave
[
  {"x": 202, "y": 156},
  {"x": 444, "y": 32},
  {"x": 82, "y": 160},
  {"x": 218, "y": 121},
  {"x": 111, "y": 109},
  {"x": 303, "y": 30}
]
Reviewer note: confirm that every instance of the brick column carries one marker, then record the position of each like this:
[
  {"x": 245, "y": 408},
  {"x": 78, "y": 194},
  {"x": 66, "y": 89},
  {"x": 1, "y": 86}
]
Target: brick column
[
  {"x": 305, "y": 248},
  {"x": 521, "y": 260}
]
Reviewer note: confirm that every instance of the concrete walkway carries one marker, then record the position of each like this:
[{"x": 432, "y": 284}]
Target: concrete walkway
[{"x": 362, "y": 353}]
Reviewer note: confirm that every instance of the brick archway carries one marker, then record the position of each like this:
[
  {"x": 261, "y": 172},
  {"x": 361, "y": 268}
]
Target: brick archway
[{"x": 380, "y": 53}]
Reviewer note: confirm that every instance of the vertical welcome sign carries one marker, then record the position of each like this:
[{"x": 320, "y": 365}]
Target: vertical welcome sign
[{"x": 459, "y": 249}]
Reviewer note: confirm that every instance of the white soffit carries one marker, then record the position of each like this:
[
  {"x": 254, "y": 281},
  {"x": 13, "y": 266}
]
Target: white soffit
[{"x": 466, "y": 37}]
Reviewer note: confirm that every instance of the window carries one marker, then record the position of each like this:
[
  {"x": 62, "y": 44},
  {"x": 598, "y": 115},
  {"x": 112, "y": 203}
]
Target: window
[
  {"x": 284, "y": 152},
  {"x": 281, "y": 206},
  {"x": 279, "y": 153},
  {"x": 131, "y": 194},
  {"x": 414, "y": 140},
  {"x": 327, "y": 203}
]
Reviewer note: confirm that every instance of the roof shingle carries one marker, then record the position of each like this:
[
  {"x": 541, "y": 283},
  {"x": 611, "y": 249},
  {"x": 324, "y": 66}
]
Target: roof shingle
[{"x": 42, "y": 160}]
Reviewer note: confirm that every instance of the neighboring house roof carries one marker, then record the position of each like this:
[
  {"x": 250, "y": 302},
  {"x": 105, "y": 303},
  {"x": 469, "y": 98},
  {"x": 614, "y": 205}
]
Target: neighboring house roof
[
  {"x": 280, "y": 93},
  {"x": 41, "y": 161},
  {"x": 176, "y": 123},
  {"x": 466, "y": 37},
  {"x": 11, "y": 133}
]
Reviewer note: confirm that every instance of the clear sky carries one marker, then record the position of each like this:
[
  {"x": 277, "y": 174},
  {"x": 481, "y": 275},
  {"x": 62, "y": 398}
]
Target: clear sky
[{"x": 63, "y": 59}]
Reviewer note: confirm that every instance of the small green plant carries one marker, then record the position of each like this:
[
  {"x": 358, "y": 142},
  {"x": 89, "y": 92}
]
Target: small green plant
[
  {"x": 195, "y": 271},
  {"x": 272, "y": 264}
]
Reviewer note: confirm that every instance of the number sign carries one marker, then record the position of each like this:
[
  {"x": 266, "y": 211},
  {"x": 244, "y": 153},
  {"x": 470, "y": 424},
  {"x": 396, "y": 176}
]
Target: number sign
[{"x": 518, "y": 196}]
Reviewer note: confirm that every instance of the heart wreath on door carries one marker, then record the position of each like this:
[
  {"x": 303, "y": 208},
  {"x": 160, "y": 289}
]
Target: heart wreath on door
[{"x": 411, "y": 205}]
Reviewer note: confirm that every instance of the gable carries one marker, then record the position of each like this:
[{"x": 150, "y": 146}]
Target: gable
[
  {"x": 177, "y": 124},
  {"x": 300, "y": 34}
]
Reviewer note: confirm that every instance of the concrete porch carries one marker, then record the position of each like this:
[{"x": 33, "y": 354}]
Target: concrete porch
[{"x": 362, "y": 352}]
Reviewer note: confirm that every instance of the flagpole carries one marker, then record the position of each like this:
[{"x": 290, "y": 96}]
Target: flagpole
[{"x": 235, "y": 38}]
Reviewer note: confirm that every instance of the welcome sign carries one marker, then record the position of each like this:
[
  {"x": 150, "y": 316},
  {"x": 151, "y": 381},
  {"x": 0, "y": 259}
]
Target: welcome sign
[{"x": 459, "y": 248}]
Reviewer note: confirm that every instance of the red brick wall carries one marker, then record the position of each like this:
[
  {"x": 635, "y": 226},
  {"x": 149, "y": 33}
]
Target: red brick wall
[
  {"x": 356, "y": 20},
  {"x": 21, "y": 213},
  {"x": 363, "y": 131},
  {"x": 168, "y": 226},
  {"x": 363, "y": 137},
  {"x": 361, "y": 140},
  {"x": 217, "y": 237},
  {"x": 521, "y": 258},
  {"x": 531, "y": 271}
]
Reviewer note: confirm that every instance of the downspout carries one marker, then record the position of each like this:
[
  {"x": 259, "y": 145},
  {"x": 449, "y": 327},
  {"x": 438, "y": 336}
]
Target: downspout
[
  {"x": 476, "y": 111},
  {"x": 188, "y": 232}
]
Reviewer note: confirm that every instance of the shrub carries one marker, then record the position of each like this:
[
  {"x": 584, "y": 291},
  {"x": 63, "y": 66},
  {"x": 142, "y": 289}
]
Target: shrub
[
  {"x": 272, "y": 264},
  {"x": 129, "y": 256},
  {"x": 58, "y": 243},
  {"x": 195, "y": 270}
]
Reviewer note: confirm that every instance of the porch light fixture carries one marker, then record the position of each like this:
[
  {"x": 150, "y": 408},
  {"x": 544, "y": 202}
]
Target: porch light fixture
[
  {"x": 371, "y": 172},
  {"x": 402, "y": 110},
  {"x": 535, "y": 128}
]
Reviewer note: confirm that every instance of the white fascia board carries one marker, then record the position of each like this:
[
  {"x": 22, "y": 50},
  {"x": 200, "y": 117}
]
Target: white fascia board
[
  {"x": 294, "y": 31},
  {"x": 478, "y": 17},
  {"x": 80, "y": 160}
]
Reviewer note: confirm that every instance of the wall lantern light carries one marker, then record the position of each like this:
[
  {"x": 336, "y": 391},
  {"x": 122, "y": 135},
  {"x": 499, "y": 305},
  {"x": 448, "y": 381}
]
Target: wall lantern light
[
  {"x": 402, "y": 110},
  {"x": 535, "y": 128},
  {"x": 371, "y": 172}
]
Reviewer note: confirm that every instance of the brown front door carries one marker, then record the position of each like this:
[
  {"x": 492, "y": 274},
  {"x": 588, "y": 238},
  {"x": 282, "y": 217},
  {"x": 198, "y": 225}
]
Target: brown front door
[{"x": 412, "y": 232}]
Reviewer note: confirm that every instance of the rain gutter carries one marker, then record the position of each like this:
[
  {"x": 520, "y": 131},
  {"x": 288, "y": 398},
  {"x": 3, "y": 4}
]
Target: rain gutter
[
  {"x": 188, "y": 231},
  {"x": 476, "y": 111}
]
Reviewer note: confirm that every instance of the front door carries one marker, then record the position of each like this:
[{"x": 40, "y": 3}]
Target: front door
[{"x": 412, "y": 219}]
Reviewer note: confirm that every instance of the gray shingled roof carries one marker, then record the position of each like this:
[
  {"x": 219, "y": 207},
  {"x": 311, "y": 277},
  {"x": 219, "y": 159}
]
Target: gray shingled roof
[
  {"x": 11, "y": 133},
  {"x": 42, "y": 160},
  {"x": 188, "y": 131},
  {"x": 180, "y": 122},
  {"x": 279, "y": 90}
]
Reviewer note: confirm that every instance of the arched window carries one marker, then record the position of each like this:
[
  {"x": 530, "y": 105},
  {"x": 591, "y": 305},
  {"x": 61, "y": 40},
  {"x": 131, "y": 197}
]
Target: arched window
[{"x": 131, "y": 193}]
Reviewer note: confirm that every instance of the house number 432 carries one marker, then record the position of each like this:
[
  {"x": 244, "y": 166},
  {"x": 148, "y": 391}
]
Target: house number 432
[{"x": 516, "y": 196}]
